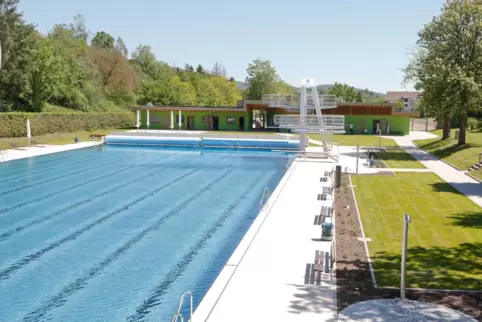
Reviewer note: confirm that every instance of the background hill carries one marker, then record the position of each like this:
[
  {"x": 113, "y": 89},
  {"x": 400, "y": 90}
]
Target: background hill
[{"x": 367, "y": 95}]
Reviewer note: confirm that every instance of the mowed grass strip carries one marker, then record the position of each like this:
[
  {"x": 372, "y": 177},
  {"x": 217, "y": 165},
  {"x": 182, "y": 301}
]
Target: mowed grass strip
[
  {"x": 445, "y": 236},
  {"x": 399, "y": 159},
  {"x": 351, "y": 140},
  {"x": 463, "y": 157},
  {"x": 54, "y": 139}
]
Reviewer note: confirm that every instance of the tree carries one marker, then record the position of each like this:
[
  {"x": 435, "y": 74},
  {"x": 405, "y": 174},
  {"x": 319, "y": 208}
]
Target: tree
[
  {"x": 448, "y": 63},
  {"x": 218, "y": 70},
  {"x": 115, "y": 72},
  {"x": 146, "y": 60},
  {"x": 46, "y": 75},
  {"x": 18, "y": 42},
  {"x": 359, "y": 97},
  {"x": 79, "y": 31},
  {"x": 262, "y": 79},
  {"x": 103, "y": 40},
  {"x": 345, "y": 93},
  {"x": 121, "y": 47},
  {"x": 189, "y": 68},
  {"x": 200, "y": 69}
]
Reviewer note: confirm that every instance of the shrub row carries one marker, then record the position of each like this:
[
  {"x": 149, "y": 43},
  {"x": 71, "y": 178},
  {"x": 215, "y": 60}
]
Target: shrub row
[{"x": 14, "y": 124}]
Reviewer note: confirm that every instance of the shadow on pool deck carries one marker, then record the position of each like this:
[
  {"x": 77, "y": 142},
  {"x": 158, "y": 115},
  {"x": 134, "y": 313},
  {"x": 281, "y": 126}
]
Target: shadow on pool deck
[{"x": 312, "y": 299}]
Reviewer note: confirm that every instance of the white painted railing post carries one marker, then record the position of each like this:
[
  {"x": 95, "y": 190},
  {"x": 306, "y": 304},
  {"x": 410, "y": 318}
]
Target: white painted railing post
[{"x": 406, "y": 221}]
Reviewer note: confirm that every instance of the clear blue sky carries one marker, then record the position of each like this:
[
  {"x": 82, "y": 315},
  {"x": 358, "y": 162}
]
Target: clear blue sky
[{"x": 362, "y": 43}]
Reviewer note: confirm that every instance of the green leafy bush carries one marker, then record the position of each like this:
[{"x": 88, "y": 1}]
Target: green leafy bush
[
  {"x": 472, "y": 123},
  {"x": 14, "y": 124}
]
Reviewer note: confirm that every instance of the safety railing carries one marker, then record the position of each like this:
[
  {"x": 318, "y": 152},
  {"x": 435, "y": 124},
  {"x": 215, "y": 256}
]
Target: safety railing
[
  {"x": 178, "y": 314},
  {"x": 202, "y": 136},
  {"x": 3, "y": 155},
  {"x": 264, "y": 198}
]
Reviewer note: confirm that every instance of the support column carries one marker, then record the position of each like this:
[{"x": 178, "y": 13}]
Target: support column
[
  {"x": 148, "y": 122},
  {"x": 302, "y": 141}
]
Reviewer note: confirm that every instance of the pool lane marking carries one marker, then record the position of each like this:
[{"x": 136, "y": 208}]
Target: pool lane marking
[
  {"x": 62, "y": 296},
  {"x": 75, "y": 186},
  {"x": 6, "y": 235},
  {"x": 5, "y": 273},
  {"x": 95, "y": 167},
  {"x": 19, "y": 177},
  {"x": 160, "y": 290}
]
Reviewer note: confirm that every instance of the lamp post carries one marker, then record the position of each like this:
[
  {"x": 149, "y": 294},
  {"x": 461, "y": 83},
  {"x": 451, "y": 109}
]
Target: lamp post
[{"x": 406, "y": 221}]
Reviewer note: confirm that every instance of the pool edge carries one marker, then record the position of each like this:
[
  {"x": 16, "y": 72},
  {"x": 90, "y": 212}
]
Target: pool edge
[{"x": 215, "y": 291}]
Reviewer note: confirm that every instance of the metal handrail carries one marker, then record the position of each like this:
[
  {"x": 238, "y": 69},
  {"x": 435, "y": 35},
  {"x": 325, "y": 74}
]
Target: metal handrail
[
  {"x": 181, "y": 302},
  {"x": 264, "y": 198},
  {"x": 176, "y": 316}
]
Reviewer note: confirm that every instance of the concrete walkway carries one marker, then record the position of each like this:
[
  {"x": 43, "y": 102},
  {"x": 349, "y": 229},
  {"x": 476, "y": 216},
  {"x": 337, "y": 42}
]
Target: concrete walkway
[
  {"x": 269, "y": 277},
  {"x": 458, "y": 179},
  {"x": 34, "y": 151}
]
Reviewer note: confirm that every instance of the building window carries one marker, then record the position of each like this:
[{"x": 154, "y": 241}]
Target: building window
[
  {"x": 230, "y": 120},
  {"x": 205, "y": 119},
  {"x": 155, "y": 118},
  {"x": 177, "y": 118}
]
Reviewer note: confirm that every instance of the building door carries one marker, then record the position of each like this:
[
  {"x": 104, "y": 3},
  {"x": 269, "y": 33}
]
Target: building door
[
  {"x": 383, "y": 126},
  {"x": 362, "y": 125},
  {"x": 241, "y": 123},
  {"x": 215, "y": 123},
  {"x": 190, "y": 122},
  {"x": 375, "y": 126}
]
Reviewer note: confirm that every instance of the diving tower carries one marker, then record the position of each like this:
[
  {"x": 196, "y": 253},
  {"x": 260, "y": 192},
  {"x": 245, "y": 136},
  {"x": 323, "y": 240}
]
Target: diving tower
[{"x": 310, "y": 119}]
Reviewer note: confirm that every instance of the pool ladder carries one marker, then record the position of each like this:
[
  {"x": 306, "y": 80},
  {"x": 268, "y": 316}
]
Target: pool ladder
[
  {"x": 178, "y": 314},
  {"x": 264, "y": 198}
]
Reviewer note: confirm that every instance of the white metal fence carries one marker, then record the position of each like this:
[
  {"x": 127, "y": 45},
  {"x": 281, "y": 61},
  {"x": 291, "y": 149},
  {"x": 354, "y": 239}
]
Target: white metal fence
[
  {"x": 330, "y": 123},
  {"x": 425, "y": 124}
]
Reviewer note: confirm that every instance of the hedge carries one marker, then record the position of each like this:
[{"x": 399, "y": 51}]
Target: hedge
[{"x": 14, "y": 124}]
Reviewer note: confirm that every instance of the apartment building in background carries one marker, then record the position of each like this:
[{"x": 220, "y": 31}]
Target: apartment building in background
[{"x": 409, "y": 100}]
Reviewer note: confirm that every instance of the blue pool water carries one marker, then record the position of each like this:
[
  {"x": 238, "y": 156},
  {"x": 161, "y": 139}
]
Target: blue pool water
[{"x": 119, "y": 233}]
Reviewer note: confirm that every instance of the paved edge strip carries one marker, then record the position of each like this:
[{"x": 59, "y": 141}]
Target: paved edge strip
[
  {"x": 212, "y": 296},
  {"x": 471, "y": 176},
  {"x": 51, "y": 150},
  {"x": 449, "y": 164}
]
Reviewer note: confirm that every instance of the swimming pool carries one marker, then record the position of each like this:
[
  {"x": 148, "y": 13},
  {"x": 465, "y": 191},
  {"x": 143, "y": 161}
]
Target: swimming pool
[{"x": 119, "y": 233}]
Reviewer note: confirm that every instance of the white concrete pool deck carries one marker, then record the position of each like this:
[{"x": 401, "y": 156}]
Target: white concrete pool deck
[
  {"x": 34, "y": 151},
  {"x": 265, "y": 279}
]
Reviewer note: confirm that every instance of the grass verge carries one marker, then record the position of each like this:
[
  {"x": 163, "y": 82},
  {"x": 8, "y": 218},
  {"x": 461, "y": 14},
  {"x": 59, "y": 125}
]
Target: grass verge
[
  {"x": 445, "y": 236},
  {"x": 351, "y": 140},
  {"x": 53, "y": 139},
  {"x": 463, "y": 157},
  {"x": 399, "y": 159}
]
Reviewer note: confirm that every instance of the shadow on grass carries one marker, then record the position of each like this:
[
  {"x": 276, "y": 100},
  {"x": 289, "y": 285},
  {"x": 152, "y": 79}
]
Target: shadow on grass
[
  {"x": 396, "y": 155},
  {"x": 445, "y": 148},
  {"x": 469, "y": 220},
  {"x": 461, "y": 188},
  {"x": 434, "y": 267}
]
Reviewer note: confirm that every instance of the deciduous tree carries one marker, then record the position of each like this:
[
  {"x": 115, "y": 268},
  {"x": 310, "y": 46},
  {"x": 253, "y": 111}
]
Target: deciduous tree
[{"x": 448, "y": 63}]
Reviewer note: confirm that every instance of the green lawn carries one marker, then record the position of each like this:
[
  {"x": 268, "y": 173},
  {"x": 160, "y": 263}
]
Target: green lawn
[
  {"x": 351, "y": 140},
  {"x": 53, "y": 139},
  {"x": 400, "y": 159},
  {"x": 445, "y": 236},
  {"x": 463, "y": 157}
]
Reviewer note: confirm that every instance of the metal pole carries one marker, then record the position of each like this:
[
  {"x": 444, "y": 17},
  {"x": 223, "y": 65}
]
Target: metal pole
[
  {"x": 357, "y": 153},
  {"x": 380, "y": 145},
  {"x": 406, "y": 221}
]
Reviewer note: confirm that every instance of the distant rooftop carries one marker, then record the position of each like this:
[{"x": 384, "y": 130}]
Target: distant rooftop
[{"x": 398, "y": 95}]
